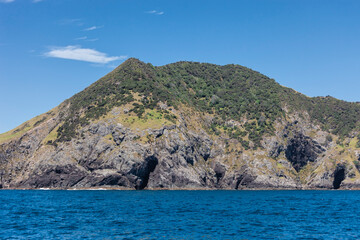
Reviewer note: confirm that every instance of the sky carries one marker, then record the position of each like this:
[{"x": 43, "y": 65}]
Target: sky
[{"x": 52, "y": 49}]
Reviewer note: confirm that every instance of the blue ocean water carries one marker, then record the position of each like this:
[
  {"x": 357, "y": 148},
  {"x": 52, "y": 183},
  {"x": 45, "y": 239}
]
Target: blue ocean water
[{"x": 179, "y": 214}]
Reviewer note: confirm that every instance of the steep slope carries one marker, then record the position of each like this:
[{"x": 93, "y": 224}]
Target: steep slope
[{"x": 186, "y": 125}]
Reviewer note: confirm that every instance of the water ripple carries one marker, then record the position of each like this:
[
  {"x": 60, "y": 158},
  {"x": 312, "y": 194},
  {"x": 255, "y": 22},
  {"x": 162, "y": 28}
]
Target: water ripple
[{"x": 179, "y": 214}]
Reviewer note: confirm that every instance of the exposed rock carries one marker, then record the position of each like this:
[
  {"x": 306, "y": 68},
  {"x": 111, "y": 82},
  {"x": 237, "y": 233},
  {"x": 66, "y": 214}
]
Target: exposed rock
[
  {"x": 118, "y": 134},
  {"x": 244, "y": 178},
  {"x": 220, "y": 171},
  {"x": 275, "y": 149},
  {"x": 138, "y": 143},
  {"x": 339, "y": 175},
  {"x": 163, "y": 106},
  {"x": 143, "y": 171},
  {"x": 301, "y": 150},
  {"x": 54, "y": 176}
]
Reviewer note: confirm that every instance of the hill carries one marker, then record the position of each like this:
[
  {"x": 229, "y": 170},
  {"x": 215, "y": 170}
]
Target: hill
[{"x": 186, "y": 125}]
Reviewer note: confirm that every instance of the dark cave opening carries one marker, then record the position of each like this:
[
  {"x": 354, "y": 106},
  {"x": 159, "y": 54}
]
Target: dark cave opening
[
  {"x": 301, "y": 150},
  {"x": 218, "y": 175},
  {"x": 339, "y": 176},
  {"x": 150, "y": 165}
]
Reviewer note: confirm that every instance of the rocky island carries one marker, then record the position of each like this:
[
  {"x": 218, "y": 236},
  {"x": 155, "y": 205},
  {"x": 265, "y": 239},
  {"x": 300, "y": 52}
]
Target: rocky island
[{"x": 186, "y": 125}]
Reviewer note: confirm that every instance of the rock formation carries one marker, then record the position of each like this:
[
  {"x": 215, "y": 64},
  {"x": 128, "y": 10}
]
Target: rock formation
[{"x": 141, "y": 141}]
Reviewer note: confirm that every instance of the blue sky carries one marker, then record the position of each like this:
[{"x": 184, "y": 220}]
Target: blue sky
[{"x": 52, "y": 49}]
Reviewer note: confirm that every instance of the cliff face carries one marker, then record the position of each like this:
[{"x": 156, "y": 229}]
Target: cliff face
[{"x": 141, "y": 141}]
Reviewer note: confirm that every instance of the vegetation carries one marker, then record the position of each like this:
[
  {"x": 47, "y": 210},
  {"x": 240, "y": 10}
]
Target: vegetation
[
  {"x": 357, "y": 164},
  {"x": 227, "y": 92},
  {"x": 23, "y": 128},
  {"x": 151, "y": 119}
]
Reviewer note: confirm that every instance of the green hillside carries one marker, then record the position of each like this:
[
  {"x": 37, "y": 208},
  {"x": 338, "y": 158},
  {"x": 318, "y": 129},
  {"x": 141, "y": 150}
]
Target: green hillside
[{"x": 228, "y": 92}]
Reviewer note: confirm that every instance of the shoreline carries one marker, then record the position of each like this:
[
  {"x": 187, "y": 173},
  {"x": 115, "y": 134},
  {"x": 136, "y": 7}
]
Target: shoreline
[{"x": 181, "y": 189}]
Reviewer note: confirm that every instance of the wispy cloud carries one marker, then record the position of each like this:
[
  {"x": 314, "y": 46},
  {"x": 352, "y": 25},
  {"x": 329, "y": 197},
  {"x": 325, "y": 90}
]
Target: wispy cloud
[
  {"x": 71, "y": 21},
  {"x": 92, "y": 28},
  {"x": 85, "y": 38},
  {"x": 155, "y": 12},
  {"x": 81, "y": 38},
  {"x": 81, "y": 54},
  {"x": 6, "y": 1},
  {"x": 10, "y": 1},
  {"x": 92, "y": 39}
]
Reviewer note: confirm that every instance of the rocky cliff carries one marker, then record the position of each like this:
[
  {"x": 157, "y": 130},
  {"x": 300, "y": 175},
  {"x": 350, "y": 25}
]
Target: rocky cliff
[{"x": 186, "y": 126}]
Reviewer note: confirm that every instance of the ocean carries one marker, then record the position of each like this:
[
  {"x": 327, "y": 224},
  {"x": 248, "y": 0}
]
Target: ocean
[{"x": 96, "y": 214}]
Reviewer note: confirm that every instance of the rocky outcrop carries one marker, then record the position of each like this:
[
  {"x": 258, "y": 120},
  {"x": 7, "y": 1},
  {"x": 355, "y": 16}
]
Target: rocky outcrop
[
  {"x": 301, "y": 150},
  {"x": 339, "y": 175},
  {"x": 118, "y": 136},
  {"x": 108, "y": 154},
  {"x": 54, "y": 176}
]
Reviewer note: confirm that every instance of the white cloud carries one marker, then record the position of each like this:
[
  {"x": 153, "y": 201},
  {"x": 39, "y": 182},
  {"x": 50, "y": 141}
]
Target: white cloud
[
  {"x": 81, "y": 38},
  {"x": 92, "y": 28},
  {"x": 10, "y": 1},
  {"x": 74, "y": 21},
  {"x": 155, "y": 12},
  {"x": 81, "y": 54},
  {"x": 92, "y": 39},
  {"x": 85, "y": 38}
]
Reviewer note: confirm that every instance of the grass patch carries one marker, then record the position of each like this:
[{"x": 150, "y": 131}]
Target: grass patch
[
  {"x": 152, "y": 119},
  {"x": 23, "y": 128},
  {"x": 353, "y": 143},
  {"x": 51, "y": 137}
]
